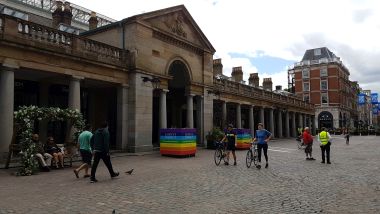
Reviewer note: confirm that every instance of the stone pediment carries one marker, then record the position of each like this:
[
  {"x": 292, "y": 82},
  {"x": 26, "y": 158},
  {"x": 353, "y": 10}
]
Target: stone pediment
[{"x": 177, "y": 22}]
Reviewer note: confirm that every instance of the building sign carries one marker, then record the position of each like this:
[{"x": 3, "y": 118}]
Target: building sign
[
  {"x": 374, "y": 98},
  {"x": 361, "y": 99}
]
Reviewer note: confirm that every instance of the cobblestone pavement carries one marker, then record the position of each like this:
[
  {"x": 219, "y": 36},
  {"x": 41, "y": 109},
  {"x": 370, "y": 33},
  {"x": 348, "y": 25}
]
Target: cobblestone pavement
[{"x": 351, "y": 184}]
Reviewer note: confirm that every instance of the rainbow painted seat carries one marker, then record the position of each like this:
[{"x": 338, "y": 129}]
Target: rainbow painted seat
[
  {"x": 244, "y": 138},
  {"x": 178, "y": 142}
]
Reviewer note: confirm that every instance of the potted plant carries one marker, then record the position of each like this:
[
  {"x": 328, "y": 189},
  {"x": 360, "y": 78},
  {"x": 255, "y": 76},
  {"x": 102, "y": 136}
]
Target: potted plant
[{"x": 214, "y": 135}]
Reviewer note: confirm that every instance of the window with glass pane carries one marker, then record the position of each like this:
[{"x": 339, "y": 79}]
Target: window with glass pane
[
  {"x": 324, "y": 98},
  {"x": 323, "y": 72},
  {"x": 306, "y": 86},
  {"x": 305, "y": 73},
  {"x": 306, "y": 98},
  {"x": 323, "y": 84},
  {"x": 317, "y": 51}
]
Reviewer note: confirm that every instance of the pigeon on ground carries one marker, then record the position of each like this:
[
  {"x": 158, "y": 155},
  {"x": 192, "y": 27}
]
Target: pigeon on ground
[{"x": 129, "y": 172}]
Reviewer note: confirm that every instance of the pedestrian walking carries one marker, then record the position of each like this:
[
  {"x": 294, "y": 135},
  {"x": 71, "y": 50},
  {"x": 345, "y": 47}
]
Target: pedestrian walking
[
  {"x": 85, "y": 151},
  {"x": 308, "y": 141},
  {"x": 100, "y": 149},
  {"x": 230, "y": 135},
  {"x": 262, "y": 137},
  {"x": 325, "y": 139},
  {"x": 347, "y": 136}
]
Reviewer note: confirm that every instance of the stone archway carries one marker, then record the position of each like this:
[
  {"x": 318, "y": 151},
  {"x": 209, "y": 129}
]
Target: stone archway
[
  {"x": 325, "y": 119},
  {"x": 178, "y": 95}
]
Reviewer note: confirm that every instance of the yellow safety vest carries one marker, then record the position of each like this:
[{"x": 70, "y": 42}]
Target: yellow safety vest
[{"x": 323, "y": 138}]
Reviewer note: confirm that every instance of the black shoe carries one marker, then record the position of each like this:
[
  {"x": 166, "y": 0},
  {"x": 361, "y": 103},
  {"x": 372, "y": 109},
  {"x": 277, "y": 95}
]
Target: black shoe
[
  {"x": 258, "y": 166},
  {"x": 93, "y": 180},
  {"x": 322, "y": 162},
  {"x": 234, "y": 163},
  {"x": 226, "y": 163},
  {"x": 46, "y": 169},
  {"x": 328, "y": 162},
  {"x": 115, "y": 174},
  {"x": 311, "y": 158},
  {"x": 307, "y": 158},
  {"x": 266, "y": 165}
]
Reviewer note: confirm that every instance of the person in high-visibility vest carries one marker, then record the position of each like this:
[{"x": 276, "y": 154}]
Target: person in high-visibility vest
[{"x": 325, "y": 139}]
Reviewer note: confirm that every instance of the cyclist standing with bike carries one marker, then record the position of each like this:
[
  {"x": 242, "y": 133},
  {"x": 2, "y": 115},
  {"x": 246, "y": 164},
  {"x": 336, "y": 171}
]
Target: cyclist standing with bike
[
  {"x": 262, "y": 138},
  {"x": 230, "y": 135}
]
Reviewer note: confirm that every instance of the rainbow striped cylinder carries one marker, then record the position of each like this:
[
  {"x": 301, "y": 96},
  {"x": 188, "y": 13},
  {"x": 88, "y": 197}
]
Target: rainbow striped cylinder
[
  {"x": 178, "y": 142},
  {"x": 244, "y": 138}
]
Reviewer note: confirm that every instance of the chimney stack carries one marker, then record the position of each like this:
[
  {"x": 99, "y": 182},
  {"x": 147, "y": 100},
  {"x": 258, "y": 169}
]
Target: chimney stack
[
  {"x": 93, "y": 21},
  {"x": 57, "y": 14},
  {"x": 67, "y": 15},
  {"x": 267, "y": 84},
  {"x": 254, "y": 79},
  {"x": 217, "y": 67},
  {"x": 278, "y": 87},
  {"x": 237, "y": 74}
]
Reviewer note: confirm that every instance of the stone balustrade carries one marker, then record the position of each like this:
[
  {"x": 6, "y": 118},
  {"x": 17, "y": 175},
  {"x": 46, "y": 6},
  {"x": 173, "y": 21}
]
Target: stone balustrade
[
  {"x": 39, "y": 36},
  {"x": 228, "y": 86}
]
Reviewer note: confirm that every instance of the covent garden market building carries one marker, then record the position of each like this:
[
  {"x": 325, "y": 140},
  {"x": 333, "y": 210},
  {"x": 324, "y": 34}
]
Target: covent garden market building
[{"x": 144, "y": 73}]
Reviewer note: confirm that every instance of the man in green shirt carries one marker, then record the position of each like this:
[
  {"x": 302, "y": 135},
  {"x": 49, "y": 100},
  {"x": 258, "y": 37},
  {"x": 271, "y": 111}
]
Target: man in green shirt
[{"x": 85, "y": 151}]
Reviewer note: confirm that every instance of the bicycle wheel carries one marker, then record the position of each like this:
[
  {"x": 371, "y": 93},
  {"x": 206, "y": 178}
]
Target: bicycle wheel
[
  {"x": 248, "y": 158},
  {"x": 255, "y": 157},
  {"x": 217, "y": 156}
]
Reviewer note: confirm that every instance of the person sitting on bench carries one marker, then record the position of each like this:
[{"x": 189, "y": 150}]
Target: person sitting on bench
[
  {"x": 41, "y": 154},
  {"x": 52, "y": 148}
]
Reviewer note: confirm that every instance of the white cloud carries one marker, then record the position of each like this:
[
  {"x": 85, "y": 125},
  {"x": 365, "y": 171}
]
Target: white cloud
[{"x": 284, "y": 29}]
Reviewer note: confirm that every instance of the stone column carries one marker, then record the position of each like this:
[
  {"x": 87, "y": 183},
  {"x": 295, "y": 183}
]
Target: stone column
[
  {"x": 7, "y": 82},
  {"x": 271, "y": 121},
  {"x": 287, "y": 130},
  {"x": 122, "y": 117},
  {"x": 74, "y": 101},
  {"x": 251, "y": 120},
  {"x": 262, "y": 116},
  {"x": 200, "y": 117},
  {"x": 294, "y": 128},
  {"x": 163, "y": 110},
  {"x": 313, "y": 129},
  {"x": 238, "y": 116},
  {"x": 279, "y": 123},
  {"x": 190, "y": 117},
  {"x": 224, "y": 114},
  {"x": 300, "y": 122},
  {"x": 74, "y": 93}
]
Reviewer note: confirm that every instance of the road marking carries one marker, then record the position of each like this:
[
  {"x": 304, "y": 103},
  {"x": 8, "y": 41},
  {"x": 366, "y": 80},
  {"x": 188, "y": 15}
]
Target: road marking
[
  {"x": 281, "y": 148},
  {"x": 275, "y": 150}
]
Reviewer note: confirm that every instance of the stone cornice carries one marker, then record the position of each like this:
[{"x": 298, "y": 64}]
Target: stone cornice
[{"x": 171, "y": 40}]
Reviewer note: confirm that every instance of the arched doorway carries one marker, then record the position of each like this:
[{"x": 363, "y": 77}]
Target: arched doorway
[
  {"x": 177, "y": 95},
  {"x": 325, "y": 119}
]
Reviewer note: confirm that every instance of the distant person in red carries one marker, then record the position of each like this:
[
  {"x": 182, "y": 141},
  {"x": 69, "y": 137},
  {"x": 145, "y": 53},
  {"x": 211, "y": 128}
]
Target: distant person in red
[{"x": 308, "y": 141}]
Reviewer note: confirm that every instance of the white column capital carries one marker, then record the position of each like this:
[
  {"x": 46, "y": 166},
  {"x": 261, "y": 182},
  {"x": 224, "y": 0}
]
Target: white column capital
[{"x": 77, "y": 78}]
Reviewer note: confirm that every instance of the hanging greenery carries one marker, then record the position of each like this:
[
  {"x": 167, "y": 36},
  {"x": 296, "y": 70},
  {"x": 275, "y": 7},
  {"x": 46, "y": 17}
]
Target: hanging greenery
[{"x": 25, "y": 117}]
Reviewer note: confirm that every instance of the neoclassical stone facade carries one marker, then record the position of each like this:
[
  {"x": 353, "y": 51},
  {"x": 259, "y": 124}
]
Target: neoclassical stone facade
[{"x": 108, "y": 73}]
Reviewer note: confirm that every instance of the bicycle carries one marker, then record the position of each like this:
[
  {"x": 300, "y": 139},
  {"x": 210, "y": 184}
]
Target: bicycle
[
  {"x": 220, "y": 153},
  {"x": 252, "y": 155},
  {"x": 300, "y": 143}
]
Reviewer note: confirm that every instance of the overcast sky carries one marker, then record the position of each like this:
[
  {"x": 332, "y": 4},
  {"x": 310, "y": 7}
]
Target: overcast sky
[{"x": 267, "y": 36}]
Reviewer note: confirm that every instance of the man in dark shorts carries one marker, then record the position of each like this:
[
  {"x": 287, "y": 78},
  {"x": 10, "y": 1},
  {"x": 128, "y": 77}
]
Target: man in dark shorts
[
  {"x": 85, "y": 152},
  {"x": 230, "y": 135},
  {"x": 308, "y": 141}
]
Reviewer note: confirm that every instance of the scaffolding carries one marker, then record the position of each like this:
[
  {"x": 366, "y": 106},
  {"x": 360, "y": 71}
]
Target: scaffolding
[{"x": 80, "y": 14}]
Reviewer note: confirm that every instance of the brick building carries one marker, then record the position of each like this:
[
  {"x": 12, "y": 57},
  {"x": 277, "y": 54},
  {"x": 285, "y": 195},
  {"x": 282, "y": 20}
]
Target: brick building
[{"x": 322, "y": 79}]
